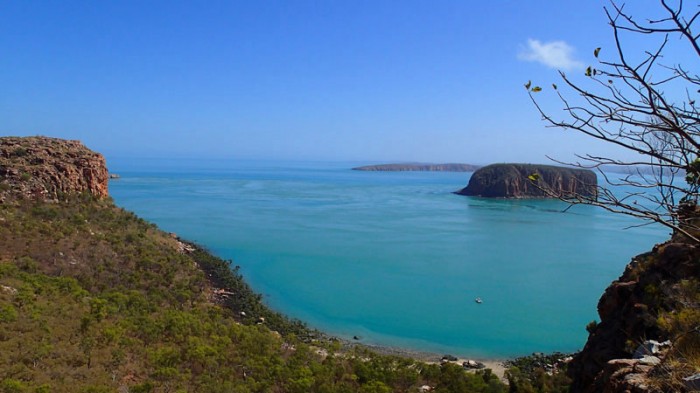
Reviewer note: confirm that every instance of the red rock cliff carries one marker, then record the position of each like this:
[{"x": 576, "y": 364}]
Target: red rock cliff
[
  {"x": 511, "y": 181},
  {"x": 656, "y": 293},
  {"x": 49, "y": 169}
]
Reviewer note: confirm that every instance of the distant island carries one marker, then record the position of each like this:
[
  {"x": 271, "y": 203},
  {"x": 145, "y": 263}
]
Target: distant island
[
  {"x": 414, "y": 167},
  {"x": 530, "y": 181}
]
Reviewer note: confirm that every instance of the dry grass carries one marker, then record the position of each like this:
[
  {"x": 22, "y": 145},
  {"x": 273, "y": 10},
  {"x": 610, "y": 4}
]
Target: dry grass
[{"x": 683, "y": 324}]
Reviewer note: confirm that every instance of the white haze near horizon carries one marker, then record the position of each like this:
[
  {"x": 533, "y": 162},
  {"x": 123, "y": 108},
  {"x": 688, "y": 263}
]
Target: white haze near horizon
[{"x": 336, "y": 81}]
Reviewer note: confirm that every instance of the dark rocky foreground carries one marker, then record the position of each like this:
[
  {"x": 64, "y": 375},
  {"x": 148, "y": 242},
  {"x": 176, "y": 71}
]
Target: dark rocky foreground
[
  {"x": 647, "y": 338},
  {"x": 530, "y": 181}
]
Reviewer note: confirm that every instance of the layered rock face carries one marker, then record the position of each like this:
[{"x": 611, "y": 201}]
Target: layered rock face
[
  {"x": 514, "y": 181},
  {"x": 620, "y": 354},
  {"x": 49, "y": 169}
]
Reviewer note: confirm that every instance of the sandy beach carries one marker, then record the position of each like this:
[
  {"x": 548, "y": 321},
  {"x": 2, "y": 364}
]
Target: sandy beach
[{"x": 496, "y": 365}]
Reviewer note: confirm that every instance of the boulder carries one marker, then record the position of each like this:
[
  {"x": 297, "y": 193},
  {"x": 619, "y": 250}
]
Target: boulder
[
  {"x": 692, "y": 383},
  {"x": 650, "y": 347},
  {"x": 473, "y": 364}
]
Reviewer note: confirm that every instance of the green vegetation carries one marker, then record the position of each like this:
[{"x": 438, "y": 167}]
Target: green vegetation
[
  {"x": 240, "y": 298},
  {"x": 20, "y": 152},
  {"x": 94, "y": 299},
  {"x": 590, "y": 327},
  {"x": 682, "y": 324},
  {"x": 538, "y": 373}
]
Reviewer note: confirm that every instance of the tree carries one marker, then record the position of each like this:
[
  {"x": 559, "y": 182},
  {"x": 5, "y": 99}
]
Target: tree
[{"x": 646, "y": 104}]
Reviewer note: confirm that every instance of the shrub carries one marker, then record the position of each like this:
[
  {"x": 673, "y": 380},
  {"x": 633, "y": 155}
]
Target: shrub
[
  {"x": 592, "y": 325},
  {"x": 12, "y": 386}
]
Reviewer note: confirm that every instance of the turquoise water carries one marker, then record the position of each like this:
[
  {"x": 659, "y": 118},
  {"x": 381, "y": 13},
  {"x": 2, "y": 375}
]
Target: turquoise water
[{"x": 395, "y": 257}]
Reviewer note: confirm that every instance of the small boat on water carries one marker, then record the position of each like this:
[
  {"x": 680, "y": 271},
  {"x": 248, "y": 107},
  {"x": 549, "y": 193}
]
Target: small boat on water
[{"x": 478, "y": 300}]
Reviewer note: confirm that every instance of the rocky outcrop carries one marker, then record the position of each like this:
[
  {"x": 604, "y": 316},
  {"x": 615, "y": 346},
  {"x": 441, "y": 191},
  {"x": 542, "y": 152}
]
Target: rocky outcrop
[
  {"x": 530, "y": 181},
  {"x": 419, "y": 167},
  {"x": 45, "y": 168},
  {"x": 628, "y": 350}
]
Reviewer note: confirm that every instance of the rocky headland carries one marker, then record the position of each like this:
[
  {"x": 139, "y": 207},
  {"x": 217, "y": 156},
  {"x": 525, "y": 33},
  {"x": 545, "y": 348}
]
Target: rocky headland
[
  {"x": 42, "y": 168},
  {"x": 648, "y": 337},
  {"x": 530, "y": 181},
  {"x": 409, "y": 167}
]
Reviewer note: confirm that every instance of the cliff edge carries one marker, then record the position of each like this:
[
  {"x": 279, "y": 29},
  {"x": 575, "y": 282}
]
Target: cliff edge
[
  {"x": 43, "y": 168},
  {"x": 512, "y": 181},
  {"x": 648, "y": 337}
]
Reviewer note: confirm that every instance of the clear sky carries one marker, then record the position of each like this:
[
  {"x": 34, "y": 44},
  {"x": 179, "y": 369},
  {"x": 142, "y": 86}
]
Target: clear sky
[{"x": 375, "y": 81}]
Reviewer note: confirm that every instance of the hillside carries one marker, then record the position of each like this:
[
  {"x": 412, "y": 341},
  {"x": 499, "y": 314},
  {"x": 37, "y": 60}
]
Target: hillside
[{"x": 95, "y": 299}]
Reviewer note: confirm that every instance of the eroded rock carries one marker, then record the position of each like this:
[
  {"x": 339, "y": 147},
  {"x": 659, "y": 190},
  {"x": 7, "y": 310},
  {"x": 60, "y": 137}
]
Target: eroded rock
[
  {"x": 530, "y": 181},
  {"x": 51, "y": 169},
  {"x": 651, "y": 285}
]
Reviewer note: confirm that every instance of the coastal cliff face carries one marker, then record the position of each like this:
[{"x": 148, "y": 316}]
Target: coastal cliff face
[
  {"x": 42, "y": 168},
  {"x": 511, "y": 181},
  {"x": 648, "y": 338}
]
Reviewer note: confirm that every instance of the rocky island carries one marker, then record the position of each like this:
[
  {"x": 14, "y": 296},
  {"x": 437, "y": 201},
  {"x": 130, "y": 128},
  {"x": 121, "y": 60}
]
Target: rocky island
[
  {"x": 409, "y": 167},
  {"x": 530, "y": 181}
]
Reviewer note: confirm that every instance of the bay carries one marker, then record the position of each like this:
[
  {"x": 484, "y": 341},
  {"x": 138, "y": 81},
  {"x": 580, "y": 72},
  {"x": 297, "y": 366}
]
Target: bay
[{"x": 395, "y": 257}]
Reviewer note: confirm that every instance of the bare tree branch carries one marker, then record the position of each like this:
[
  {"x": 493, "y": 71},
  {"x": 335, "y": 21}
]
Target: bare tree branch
[{"x": 628, "y": 104}]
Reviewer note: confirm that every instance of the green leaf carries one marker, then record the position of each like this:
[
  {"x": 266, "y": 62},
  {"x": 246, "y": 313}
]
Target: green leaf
[
  {"x": 536, "y": 89},
  {"x": 596, "y": 52},
  {"x": 589, "y": 71},
  {"x": 554, "y": 86},
  {"x": 534, "y": 177},
  {"x": 527, "y": 85}
]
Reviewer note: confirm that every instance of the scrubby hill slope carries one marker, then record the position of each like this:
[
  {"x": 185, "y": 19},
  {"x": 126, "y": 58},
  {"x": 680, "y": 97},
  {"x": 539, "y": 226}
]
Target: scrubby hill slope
[{"x": 94, "y": 299}]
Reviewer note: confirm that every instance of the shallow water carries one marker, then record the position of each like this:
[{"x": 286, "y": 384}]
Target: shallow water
[{"x": 395, "y": 257}]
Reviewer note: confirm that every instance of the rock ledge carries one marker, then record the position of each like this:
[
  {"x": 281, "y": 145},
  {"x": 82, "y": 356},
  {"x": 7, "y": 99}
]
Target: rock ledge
[{"x": 43, "y": 168}]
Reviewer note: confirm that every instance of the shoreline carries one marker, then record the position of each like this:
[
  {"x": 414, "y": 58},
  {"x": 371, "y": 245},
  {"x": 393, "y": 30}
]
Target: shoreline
[
  {"x": 496, "y": 365},
  {"x": 190, "y": 247}
]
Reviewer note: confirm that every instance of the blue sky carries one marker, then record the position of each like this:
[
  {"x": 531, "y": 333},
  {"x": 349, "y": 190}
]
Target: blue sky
[{"x": 374, "y": 81}]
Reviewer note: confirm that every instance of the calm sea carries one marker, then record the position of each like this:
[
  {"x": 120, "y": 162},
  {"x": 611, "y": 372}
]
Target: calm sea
[{"x": 394, "y": 257}]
